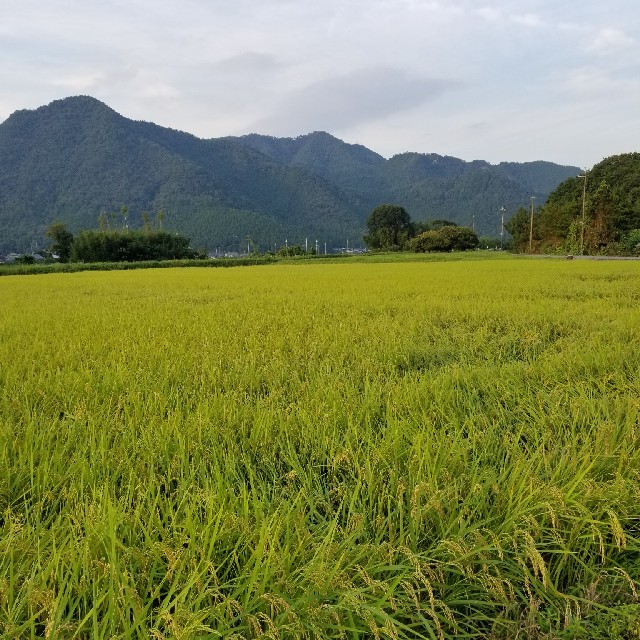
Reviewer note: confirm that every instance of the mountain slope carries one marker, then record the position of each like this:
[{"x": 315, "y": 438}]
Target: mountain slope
[
  {"x": 429, "y": 186},
  {"x": 75, "y": 158},
  {"x": 352, "y": 168}
]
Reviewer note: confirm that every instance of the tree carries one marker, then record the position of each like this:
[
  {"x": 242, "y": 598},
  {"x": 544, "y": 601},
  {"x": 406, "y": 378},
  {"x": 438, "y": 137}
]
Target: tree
[
  {"x": 631, "y": 242},
  {"x": 426, "y": 242},
  {"x": 389, "y": 227},
  {"x": 446, "y": 238},
  {"x": 603, "y": 226},
  {"x": 131, "y": 246},
  {"x": 438, "y": 224},
  {"x": 62, "y": 240},
  {"x": 607, "y": 201},
  {"x": 519, "y": 226},
  {"x": 124, "y": 210},
  {"x": 458, "y": 238},
  {"x": 431, "y": 225},
  {"x": 25, "y": 259}
]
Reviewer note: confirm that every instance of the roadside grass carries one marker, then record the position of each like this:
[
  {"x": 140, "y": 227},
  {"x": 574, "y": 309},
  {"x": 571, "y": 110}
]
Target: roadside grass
[{"x": 358, "y": 450}]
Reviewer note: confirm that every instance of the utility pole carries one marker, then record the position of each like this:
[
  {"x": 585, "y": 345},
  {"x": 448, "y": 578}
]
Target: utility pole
[
  {"x": 531, "y": 226},
  {"x": 473, "y": 222},
  {"x": 584, "y": 199},
  {"x": 502, "y": 210}
]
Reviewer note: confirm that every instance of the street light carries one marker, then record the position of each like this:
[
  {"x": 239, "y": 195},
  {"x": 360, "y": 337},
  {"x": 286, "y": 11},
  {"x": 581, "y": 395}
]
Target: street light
[
  {"x": 531, "y": 226},
  {"x": 584, "y": 198}
]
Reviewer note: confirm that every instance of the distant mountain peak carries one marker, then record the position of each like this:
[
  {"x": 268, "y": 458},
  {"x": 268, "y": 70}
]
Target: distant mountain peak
[{"x": 63, "y": 104}]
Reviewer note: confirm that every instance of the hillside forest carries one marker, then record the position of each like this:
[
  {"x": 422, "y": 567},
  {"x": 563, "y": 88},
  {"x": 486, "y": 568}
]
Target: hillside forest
[
  {"x": 77, "y": 159},
  {"x": 597, "y": 212}
]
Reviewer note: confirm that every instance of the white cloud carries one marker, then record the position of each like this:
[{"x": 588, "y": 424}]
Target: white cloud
[
  {"x": 340, "y": 102},
  {"x": 527, "y": 20},
  {"x": 590, "y": 80},
  {"x": 611, "y": 40},
  {"x": 249, "y": 62},
  {"x": 79, "y": 81},
  {"x": 491, "y": 14},
  {"x": 157, "y": 89},
  {"x": 448, "y": 76}
]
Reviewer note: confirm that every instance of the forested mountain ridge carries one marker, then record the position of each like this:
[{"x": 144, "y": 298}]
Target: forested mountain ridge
[
  {"x": 428, "y": 185},
  {"x": 353, "y": 168},
  {"x": 75, "y": 158}
]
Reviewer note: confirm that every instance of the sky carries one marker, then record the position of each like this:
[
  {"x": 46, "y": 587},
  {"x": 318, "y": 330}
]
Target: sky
[{"x": 500, "y": 80}]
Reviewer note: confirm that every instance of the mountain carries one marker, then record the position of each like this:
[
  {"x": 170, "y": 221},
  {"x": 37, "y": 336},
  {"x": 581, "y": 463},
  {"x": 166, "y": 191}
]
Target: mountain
[
  {"x": 75, "y": 158},
  {"x": 354, "y": 169},
  {"x": 429, "y": 186}
]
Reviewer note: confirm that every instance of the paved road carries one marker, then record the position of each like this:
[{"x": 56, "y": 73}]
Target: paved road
[{"x": 565, "y": 257}]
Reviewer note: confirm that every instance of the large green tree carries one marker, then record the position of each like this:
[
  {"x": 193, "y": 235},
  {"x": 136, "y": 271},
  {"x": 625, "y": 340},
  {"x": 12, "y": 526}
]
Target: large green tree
[
  {"x": 519, "y": 226},
  {"x": 62, "y": 240},
  {"x": 389, "y": 227}
]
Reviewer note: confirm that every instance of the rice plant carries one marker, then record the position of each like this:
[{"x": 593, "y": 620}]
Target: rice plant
[{"x": 322, "y": 450}]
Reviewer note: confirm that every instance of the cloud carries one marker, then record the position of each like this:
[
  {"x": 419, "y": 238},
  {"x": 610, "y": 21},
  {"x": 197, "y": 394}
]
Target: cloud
[
  {"x": 78, "y": 81},
  {"x": 590, "y": 80},
  {"x": 571, "y": 27},
  {"x": 248, "y": 62},
  {"x": 611, "y": 40},
  {"x": 154, "y": 89},
  {"x": 527, "y": 20},
  {"x": 490, "y": 14},
  {"x": 377, "y": 70},
  {"x": 340, "y": 102},
  {"x": 496, "y": 16}
]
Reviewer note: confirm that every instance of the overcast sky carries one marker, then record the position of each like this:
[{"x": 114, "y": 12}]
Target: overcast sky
[{"x": 496, "y": 80}]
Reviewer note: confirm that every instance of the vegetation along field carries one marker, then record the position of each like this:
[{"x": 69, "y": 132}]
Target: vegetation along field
[{"x": 322, "y": 450}]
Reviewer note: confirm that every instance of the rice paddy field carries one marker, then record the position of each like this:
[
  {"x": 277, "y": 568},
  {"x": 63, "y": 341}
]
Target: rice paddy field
[{"x": 360, "y": 450}]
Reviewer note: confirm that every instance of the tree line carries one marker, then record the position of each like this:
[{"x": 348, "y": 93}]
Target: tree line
[
  {"x": 118, "y": 245},
  {"x": 391, "y": 229},
  {"x": 597, "y": 212}
]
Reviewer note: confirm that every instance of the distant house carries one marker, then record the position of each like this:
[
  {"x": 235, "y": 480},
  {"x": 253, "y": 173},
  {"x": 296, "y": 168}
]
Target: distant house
[{"x": 12, "y": 257}]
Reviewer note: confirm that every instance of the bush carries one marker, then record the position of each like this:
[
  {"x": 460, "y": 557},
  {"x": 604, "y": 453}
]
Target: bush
[
  {"x": 130, "y": 246},
  {"x": 630, "y": 242},
  {"x": 25, "y": 259},
  {"x": 447, "y": 238}
]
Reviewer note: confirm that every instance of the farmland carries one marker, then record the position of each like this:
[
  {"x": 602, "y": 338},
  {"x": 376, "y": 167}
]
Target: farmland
[{"x": 322, "y": 450}]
